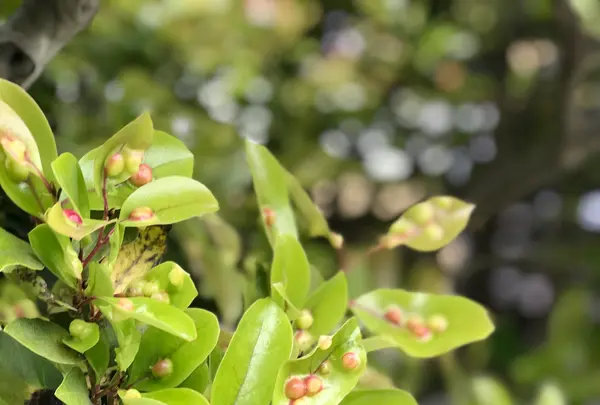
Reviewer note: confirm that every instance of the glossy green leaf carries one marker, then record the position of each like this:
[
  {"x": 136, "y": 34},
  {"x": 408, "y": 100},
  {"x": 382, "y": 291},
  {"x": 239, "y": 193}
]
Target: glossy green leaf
[
  {"x": 178, "y": 396},
  {"x": 43, "y": 147},
  {"x": 487, "y": 390},
  {"x": 328, "y": 304},
  {"x": 466, "y": 320},
  {"x": 270, "y": 185},
  {"x": 57, "y": 254},
  {"x": 137, "y": 135},
  {"x": 142, "y": 401},
  {"x": 338, "y": 382},
  {"x": 83, "y": 345},
  {"x": 14, "y": 253},
  {"x": 291, "y": 268},
  {"x": 379, "y": 397},
  {"x": 151, "y": 312},
  {"x": 155, "y": 345},
  {"x": 190, "y": 355},
  {"x": 429, "y": 225},
  {"x": 172, "y": 199},
  {"x": 59, "y": 223},
  {"x": 279, "y": 295},
  {"x": 168, "y": 156},
  {"x": 374, "y": 343},
  {"x": 198, "y": 380},
  {"x": 21, "y": 362},
  {"x": 260, "y": 345},
  {"x": 99, "y": 355},
  {"x": 99, "y": 283},
  {"x": 183, "y": 292},
  {"x": 128, "y": 338},
  {"x": 43, "y": 338},
  {"x": 73, "y": 390},
  {"x": 69, "y": 177},
  {"x": 550, "y": 394}
]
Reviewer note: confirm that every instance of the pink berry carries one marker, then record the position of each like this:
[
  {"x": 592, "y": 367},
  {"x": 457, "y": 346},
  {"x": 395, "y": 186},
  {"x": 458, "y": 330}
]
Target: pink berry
[
  {"x": 350, "y": 361},
  {"x": 142, "y": 176},
  {"x": 295, "y": 388},
  {"x": 73, "y": 216},
  {"x": 394, "y": 315},
  {"x": 314, "y": 385}
]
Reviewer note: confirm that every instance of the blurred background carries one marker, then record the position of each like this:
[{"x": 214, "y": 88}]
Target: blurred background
[{"x": 375, "y": 105}]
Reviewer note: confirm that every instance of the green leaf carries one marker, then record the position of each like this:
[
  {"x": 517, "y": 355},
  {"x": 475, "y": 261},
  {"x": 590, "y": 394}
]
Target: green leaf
[
  {"x": 181, "y": 295},
  {"x": 172, "y": 199},
  {"x": 429, "y": 225},
  {"x": 465, "y": 321},
  {"x": 137, "y": 135},
  {"x": 14, "y": 253},
  {"x": 57, "y": 254},
  {"x": 279, "y": 295},
  {"x": 270, "y": 185},
  {"x": 129, "y": 338},
  {"x": 83, "y": 345},
  {"x": 99, "y": 355},
  {"x": 550, "y": 394},
  {"x": 291, "y": 268},
  {"x": 260, "y": 345},
  {"x": 338, "y": 382},
  {"x": 374, "y": 343},
  {"x": 151, "y": 312},
  {"x": 60, "y": 224},
  {"x": 43, "y": 146},
  {"x": 26, "y": 365},
  {"x": 69, "y": 177},
  {"x": 177, "y": 396},
  {"x": 73, "y": 390},
  {"x": 155, "y": 345},
  {"x": 43, "y": 338},
  {"x": 142, "y": 401},
  {"x": 379, "y": 397},
  {"x": 328, "y": 304},
  {"x": 487, "y": 390},
  {"x": 198, "y": 380},
  {"x": 190, "y": 355},
  {"x": 99, "y": 283}
]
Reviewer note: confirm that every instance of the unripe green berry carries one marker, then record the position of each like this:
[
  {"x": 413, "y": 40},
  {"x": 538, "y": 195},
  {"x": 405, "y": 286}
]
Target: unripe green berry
[
  {"x": 437, "y": 323},
  {"x": 350, "y": 361},
  {"x": 162, "y": 368},
  {"x": 443, "y": 202},
  {"x": 421, "y": 213},
  {"x": 14, "y": 147},
  {"x": 295, "y": 388},
  {"x": 434, "y": 232},
  {"x": 325, "y": 342},
  {"x": 177, "y": 277},
  {"x": 141, "y": 214},
  {"x": 133, "y": 159},
  {"x": 161, "y": 296},
  {"x": 80, "y": 329},
  {"x": 142, "y": 176},
  {"x": 136, "y": 289},
  {"x": 305, "y": 320},
  {"x": 17, "y": 172},
  {"x": 150, "y": 287},
  {"x": 132, "y": 394},
  {"x": 336, "y": 240},
  {"x": 114, "y": 165},
  {"x": 402, "y": 226}
]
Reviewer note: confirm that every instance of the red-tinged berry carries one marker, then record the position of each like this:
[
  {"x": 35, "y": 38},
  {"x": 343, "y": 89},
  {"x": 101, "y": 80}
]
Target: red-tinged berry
[
  {"x": 325, "y": 342},
  {"x": 14, "y": 147},
  {"x": 394, "y": 315},
  {"x": 351, "y": 361},
  {"x": 141, "y": 214},
  {"x": 142, "y": 176},
  {"x": 125, "y": 304},
  {"x": 18, "y": 172},
  {"x": 295, "y": 388},
  {"x": 162, "y": 368},
  {"x": 305, "y": 320},
  {"x": 437, "y": 323},
  {"x": 314, "y": 385},
  {"x": 325, "y": 368},
  {"x": 133, "y": 159},
  {"x": 269, "y": 217},
  {"x": 417, "y": 326},
  {"x": 114, "y": 165},
  {"x": 303, "y": 340},
  {"x": 73, "y": 216}
]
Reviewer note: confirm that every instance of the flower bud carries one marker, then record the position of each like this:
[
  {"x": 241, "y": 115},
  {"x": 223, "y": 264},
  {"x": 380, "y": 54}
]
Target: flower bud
[
  {"x": 305, "y": 320},
  {"x": 177, "y": 277},
  {"x": 162, "y": 368},
  {"x": 125, "y": 304},
  {"x": 80, "y": 329},
  {"x": 133, "y": 159},
  {"x": 141, "y": 214},
  {"x": 437, "y": 323},
  {"x": 150, "y": 287},
  {"x": 114, "y": 165},
  {"x": 142, "y": 176},
  {"x": 14, "y": 147},
  {"x": 73, "y": 216},
  {"x": 325, "y": 367},
  {"x": 295, "y": 388},
  {"x": 17, "y": 172},
  {"x": 161, "y": 296},
  {"x": 303, "y": 340},
  {"x": 421, "y": 213},
  {"x": 314, "y": 385},
  {"x": 325, "y": 342},
  {"x": 394, "y": 315},
  {"x": 350, "y": 361},
  {"x": 269, "y": 217},
  {"x": 132, "y": 394}
]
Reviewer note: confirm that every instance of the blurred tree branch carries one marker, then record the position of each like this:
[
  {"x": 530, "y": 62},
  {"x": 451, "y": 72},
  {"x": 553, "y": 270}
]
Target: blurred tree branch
[
  {"x": 563, "y": 126},
  {"x": 36, "y": 32}
]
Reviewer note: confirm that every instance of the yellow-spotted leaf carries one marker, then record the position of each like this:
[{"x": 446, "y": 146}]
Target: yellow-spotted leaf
[
  {"x": 429, "y": 225},
  {"x": 420, "y": 324}
]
